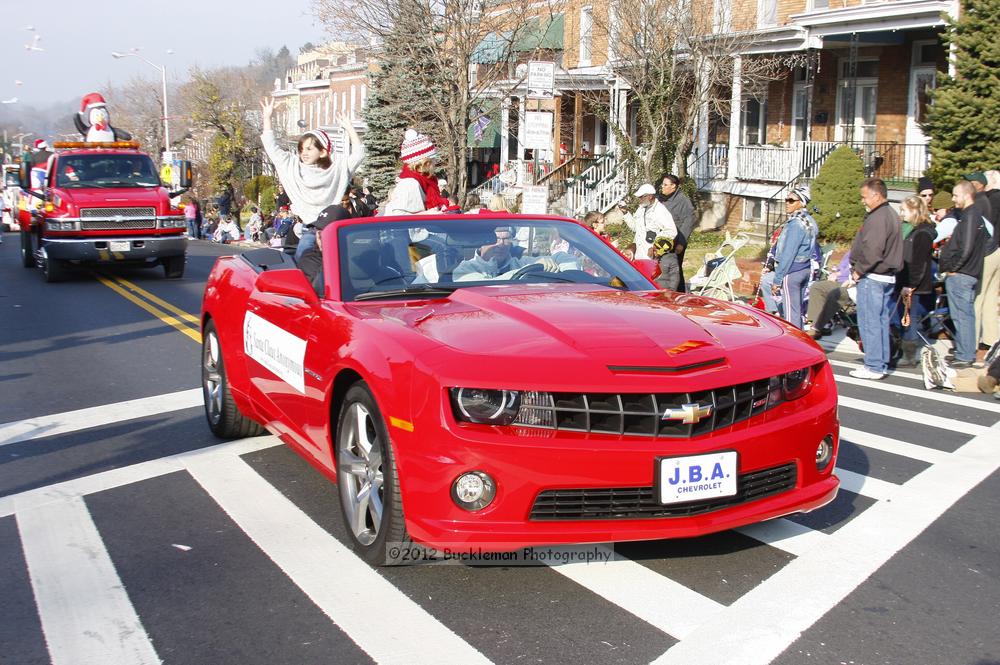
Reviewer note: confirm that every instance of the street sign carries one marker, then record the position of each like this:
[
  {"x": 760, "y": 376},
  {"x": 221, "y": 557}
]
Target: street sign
[
  {"x": 538, "y": 130},
  {"x": 535, "y": 200},
  {"x": 541, "y": 79}
]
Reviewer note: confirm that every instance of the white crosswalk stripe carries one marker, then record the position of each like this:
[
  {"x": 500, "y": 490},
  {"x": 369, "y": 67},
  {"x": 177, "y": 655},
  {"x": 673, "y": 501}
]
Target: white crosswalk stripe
[
  {"x": 57, "y": 533},
  {"x": 934, "y": 396},
  {"x": 86, "y": 615},
  {"x": 912, "y": 416}
]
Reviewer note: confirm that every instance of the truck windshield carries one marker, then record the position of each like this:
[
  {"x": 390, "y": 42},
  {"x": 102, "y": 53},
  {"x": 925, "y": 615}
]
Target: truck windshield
[{"x": 106, "y": 171}]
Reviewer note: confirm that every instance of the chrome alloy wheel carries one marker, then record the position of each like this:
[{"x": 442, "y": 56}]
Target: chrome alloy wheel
[
  {"x": 359, "y": 473},
  {"x": 211, "y": 377}
]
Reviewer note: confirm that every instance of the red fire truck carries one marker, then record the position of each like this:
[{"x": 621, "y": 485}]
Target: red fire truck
[{"x": 100, "y": 203}]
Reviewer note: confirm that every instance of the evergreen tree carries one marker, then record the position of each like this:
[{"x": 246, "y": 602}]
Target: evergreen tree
[
  {"x": 963, "y": 121},
  {"x": 397, "y": 99},
  {"x": 836, "y": 198}
]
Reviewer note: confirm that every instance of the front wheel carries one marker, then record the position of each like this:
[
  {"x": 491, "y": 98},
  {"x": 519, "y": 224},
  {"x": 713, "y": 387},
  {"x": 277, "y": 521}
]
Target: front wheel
[
  {"x": 173, "y": 267},
  {"x": 224, "y": 417},
  {"x": 55, "y": 270},
  {"x": 27, "y": 253},
  {"x": 370, "y": 499}
]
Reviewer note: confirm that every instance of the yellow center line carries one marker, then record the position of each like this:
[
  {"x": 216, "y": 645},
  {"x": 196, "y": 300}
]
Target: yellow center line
[
  {"x": 158, "y": 313},
  {"x": 190, "y": 318}
]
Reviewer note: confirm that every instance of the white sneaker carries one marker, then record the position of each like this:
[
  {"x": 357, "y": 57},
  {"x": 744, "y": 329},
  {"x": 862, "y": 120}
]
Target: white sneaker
[{"x": 865, "y": 373}]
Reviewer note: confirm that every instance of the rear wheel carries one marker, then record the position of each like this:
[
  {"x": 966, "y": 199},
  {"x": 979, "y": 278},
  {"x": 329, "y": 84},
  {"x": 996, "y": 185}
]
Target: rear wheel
[
  {"x": 369, "y": 484},
  {"x": 55, "y": 270},
  {"x": 27, "y": 252},
  {"x": 173, "y": 267},
  {"x": 224, "y": 417}
]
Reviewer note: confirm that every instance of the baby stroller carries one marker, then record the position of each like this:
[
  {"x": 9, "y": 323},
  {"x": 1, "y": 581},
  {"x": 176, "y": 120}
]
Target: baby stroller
[{"x": 716, "y": 276}]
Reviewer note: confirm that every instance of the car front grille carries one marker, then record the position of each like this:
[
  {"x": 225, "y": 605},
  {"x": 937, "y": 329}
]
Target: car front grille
[
  {"x": 642, "y": 502},
  {"x": 109, "y": 219},
  {"x": 644, "y": 414}
]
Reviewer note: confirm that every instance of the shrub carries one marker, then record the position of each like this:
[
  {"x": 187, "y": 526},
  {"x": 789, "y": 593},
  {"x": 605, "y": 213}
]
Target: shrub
[
  {"x": 260, "y": 188},
  {"x": 836, "y": 199}
]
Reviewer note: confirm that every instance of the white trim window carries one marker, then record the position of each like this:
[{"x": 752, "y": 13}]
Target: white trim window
[
  {"x": 863, "y": 114},
  {"x": 767, "y": 13},
  {"x": 754, "y": 120},
  {"x": 586, "y": 36}
]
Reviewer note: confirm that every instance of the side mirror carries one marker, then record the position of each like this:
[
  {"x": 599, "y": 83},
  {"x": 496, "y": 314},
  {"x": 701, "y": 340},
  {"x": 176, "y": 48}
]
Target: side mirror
[
  {"x": 291, "y": 283},
  {"x": 648, "y": 267},
  {"x": 186, "y": 175},
  {"x": 24, "y": 172}
]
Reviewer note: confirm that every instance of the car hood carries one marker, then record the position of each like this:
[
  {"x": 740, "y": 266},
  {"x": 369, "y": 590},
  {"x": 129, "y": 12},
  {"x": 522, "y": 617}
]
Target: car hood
[
  {"x": 111, "y": 197},
  {"x": 616, "y": 328}
]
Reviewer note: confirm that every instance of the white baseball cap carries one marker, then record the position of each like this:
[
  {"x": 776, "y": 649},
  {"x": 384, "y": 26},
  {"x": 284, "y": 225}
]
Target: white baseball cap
[{"x": 644, "y": 190}]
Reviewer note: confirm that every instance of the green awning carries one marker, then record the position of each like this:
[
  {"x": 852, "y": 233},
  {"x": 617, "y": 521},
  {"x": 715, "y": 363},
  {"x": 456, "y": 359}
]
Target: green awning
[
  {"x": 495, "y": 47},
  {"x": 542, "y": 33}
]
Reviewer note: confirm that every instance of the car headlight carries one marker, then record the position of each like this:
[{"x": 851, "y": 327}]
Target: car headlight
[
  {"x": 489, "y": 407},
  {"x": 797, "y": 383},
  {"x": 56, "y": 225}
]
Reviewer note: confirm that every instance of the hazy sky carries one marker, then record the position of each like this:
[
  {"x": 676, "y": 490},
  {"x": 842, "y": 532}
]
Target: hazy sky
[{"x": 78, "y": 37}]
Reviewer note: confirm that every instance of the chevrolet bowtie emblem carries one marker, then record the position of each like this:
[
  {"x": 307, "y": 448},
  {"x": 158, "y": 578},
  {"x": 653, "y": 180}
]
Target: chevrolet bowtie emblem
[{"x": 688, "y": 413}]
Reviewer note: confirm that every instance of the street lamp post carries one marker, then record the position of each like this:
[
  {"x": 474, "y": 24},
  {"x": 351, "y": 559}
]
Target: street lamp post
[
  {"x": 163, "y": 77},
  {"x": 18, "y": 138}
]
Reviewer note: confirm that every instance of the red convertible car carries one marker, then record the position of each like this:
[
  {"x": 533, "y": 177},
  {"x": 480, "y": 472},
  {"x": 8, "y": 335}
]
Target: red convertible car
[{"x": 501, "y": 381}]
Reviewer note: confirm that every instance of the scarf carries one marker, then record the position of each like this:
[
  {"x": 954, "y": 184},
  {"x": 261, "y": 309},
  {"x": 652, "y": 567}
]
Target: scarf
[{"x": 429, "y": 185}]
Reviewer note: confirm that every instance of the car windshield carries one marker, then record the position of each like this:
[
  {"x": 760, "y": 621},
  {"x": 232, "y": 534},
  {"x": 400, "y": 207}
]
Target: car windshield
[
  {"x": 426, "y": 256},
  {"x": 106, "y": 171}
]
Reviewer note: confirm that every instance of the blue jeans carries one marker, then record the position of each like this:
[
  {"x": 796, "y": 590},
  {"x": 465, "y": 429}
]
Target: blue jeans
[
  {"x": 307, "y": 240},
  {"x": 874, "y": 311},
  {"x": 192, "y": 228},
  {"x": 961, "y": 305},
  {"x": 920, "y": 305},
  {"x": 770, "y": 305}
]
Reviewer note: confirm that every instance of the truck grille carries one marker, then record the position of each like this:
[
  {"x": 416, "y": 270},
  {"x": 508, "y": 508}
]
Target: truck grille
[
  {"x": 642, "y": 414},
  {"x": 109, "y": 219},
  {"x": 642, "y": 502}
]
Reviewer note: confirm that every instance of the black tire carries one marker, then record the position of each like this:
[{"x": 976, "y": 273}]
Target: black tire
[
  {"x": 55, "y": 270},
  {"x": 173, "y": 266},
  {"x": 224, "y": 417},
  {"x": 382, "y": 541},
  {"x": 27, "y": 252}
]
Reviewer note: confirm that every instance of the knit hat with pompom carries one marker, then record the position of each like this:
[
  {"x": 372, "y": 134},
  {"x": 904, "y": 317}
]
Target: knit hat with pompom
[{"x": 416, "y": 148}]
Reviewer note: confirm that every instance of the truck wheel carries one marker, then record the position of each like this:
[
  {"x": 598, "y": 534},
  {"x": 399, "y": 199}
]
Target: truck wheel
[
  {"x": 224, "y": 417},
  {"x": 55, "y": 270},
  {"x": 173, "y": 266},
  {"x": 27, "y": 253}
]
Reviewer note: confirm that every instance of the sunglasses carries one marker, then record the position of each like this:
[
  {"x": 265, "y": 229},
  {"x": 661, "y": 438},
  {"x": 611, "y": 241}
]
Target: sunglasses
[{"x": 791, "y": 200}]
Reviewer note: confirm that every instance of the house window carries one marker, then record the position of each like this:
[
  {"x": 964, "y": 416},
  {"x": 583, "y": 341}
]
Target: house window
[
  {"x": 755, "y": 121},
  {"x": 925, "y": 53},
  {"x": 752, "y": 209},
  {"x": 767, "y": 13},
  {"x": 586, "y": 35},
  {"x": 866, "y": 69},
  {"x": 820, "y": 4},
  {"x": 473, "y": 75},
  {"x": 800, "y": 113},
  {"x": 722, "y": 16}
]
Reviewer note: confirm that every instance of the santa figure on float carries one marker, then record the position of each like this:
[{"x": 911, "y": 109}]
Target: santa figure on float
[{"x": 94, "y": 121}]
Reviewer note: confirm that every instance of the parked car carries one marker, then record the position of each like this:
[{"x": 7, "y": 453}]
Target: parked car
[{"x": 501, "y": 381}]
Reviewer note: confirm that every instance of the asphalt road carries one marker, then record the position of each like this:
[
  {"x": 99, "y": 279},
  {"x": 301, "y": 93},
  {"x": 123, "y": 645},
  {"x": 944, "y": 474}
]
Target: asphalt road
[{"x": 212, "y": 552}]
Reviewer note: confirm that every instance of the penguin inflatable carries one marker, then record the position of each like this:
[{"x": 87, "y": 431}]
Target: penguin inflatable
[{"x": 94, "y": 122}]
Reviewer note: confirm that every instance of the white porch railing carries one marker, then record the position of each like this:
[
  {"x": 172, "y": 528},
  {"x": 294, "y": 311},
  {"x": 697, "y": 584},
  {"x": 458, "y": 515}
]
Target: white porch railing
[
  {"x": 600, "y": 187},
  {"x": 710, "y": 165},
  {"x": 882, "y": 159}
]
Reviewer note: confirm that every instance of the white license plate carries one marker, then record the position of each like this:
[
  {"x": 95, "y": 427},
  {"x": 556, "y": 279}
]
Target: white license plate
[
  {"x": 697, "y": 477},
  {"x": 120, "y": 245}
]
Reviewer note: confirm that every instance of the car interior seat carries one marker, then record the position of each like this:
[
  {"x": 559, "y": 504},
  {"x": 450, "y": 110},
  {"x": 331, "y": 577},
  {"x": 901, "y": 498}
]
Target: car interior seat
[{"x": 366, "y": 266}]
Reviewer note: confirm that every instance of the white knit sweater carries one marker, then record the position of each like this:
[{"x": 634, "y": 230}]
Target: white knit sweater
[{"x": 311, "y": 188}]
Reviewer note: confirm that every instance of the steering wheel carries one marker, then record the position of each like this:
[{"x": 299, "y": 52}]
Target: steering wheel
[{"x": 527, "y": 270}]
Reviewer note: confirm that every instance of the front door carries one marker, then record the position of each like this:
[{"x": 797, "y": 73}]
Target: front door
[
  {"x": 922, "y": 81},
  {"x": 859, "y": 115}
]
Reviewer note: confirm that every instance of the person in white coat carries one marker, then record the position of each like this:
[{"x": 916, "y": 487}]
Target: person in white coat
[
  {"x": 311, "y": 177},
  {"x": 649, "y": 221}
]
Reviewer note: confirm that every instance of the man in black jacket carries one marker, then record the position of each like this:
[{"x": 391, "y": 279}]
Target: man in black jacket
[
  {"x": 876, "y": 257},
  {"x": 311, "y": 261},
  {"x": 961, "y": 260}
]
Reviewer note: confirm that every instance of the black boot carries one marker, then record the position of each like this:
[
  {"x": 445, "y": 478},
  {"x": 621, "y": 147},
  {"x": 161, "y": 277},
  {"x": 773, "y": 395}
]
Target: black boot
[{"x": 909, "y": 354}]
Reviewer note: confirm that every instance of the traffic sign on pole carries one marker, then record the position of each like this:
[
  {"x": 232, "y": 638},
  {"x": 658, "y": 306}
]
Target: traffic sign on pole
[{"x": 541, "y": 79}]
